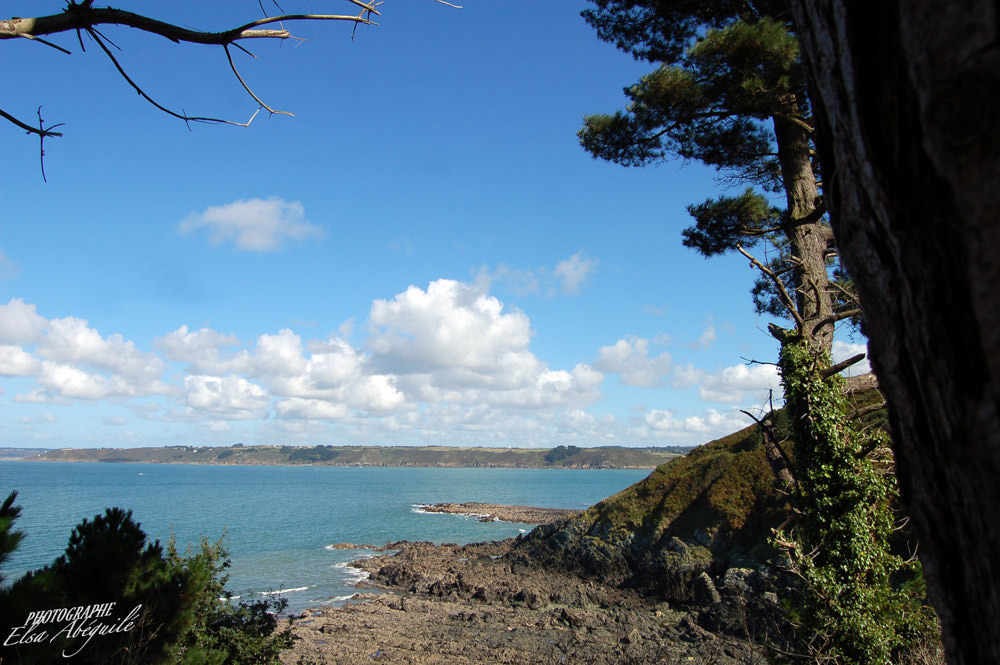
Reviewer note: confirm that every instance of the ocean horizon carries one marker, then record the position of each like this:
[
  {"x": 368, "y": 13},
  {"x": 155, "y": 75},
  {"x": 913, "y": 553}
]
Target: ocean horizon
[{"x": 280, "y": 522}]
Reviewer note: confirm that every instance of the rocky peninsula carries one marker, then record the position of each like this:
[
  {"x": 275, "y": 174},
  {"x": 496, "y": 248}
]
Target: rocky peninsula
[{"x": 492, "y": 512}]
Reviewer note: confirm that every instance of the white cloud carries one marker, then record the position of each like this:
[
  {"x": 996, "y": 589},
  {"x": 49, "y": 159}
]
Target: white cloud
[
  {"x": 114, "y": 421},
  {"x": 15, "y": 361},
  {"x": 450, "y": 325},
  {"x": 70, "y": 340},
  {"x": 227, "y": 397},
  {"x": 20, "y": 323},
  {"x": 258, "y": 225},
  {"x": 67, "y": 381},
  {"x": 629, "y": 357},
  {"x": 733, "y": 382},
  {"x": 685, "y": 376},
  {"x": 198, "y": 348},
  {"x": 664, "y": 424},
  {"x": 311, "y": 409},
  {"x": 572, "y": 271}
]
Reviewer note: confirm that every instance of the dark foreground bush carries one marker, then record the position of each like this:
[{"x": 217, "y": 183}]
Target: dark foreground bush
[{"x": 115, "y": 598}]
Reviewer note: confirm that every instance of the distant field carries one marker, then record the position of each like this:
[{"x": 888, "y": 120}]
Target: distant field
[{"x": 610, "y": 457}]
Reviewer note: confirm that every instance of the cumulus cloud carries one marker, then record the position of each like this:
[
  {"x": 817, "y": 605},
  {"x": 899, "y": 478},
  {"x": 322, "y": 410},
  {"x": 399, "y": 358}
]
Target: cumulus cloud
[
  {"x": 311, "y": 409},
  {"x": 20, "y": 323},
  {"x": 712, "y": 424},
  {"x": 451, "y": 324},
  {"x": 685, "y": 376},
  {"x": 15, "y": 361},
  {"x": 258, "y": 225},
  {"x": 732, "y": 383},
  {"x": 199, "y": 348},
  {"x": 71, "y": 340},
  {"x": 630, "y": 358},
  {"x": 573, "y": 271},
  {"x": 227, "y": 397},
  {"x": 70, "y": 360}
]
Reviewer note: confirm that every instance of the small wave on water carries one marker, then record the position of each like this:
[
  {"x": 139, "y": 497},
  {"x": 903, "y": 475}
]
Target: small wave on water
[{"x": 281, "y": 591}]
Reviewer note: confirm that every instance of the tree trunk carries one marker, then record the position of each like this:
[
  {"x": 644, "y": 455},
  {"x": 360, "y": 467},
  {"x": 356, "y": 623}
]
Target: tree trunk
[
  {"x": 808, "y": 238},
  {"x": 906, "y": 102}
]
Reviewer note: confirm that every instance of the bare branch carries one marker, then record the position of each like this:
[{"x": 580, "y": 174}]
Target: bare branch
[
  {"x": 239, "y": 78},
  {"x": 28, "y": 128},
  {"x": 776, "y": 457},
  {"x": 786, "y": 299},
  {"x": 79, "y": 17},
  {"x": 142, "y": 93}
]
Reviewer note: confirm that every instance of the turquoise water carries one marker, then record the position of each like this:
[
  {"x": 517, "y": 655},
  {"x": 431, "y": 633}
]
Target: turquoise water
[{"x": 279, "y": 519}]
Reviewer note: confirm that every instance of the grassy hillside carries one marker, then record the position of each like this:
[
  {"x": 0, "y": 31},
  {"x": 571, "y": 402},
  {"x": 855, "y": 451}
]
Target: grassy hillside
[{"x": 424, "y": 456}]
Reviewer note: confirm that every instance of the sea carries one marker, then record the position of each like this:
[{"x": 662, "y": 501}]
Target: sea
[{"x": 280, "y": 522}]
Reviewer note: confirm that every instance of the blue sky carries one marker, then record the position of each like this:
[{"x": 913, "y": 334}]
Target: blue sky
[{"x": 422, "y": 255}]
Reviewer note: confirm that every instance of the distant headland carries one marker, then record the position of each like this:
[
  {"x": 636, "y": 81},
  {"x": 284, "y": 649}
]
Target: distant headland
[{"x": 570, "y": 457}]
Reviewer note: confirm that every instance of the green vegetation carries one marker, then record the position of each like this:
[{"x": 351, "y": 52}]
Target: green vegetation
[
  {"x": 862, "y": 603},
  {"x": 223, "y": 632},
  {"x": 167, "y": 607},
  {"x": 609, "y": 457},
  {"x": 724, "y": 490}
]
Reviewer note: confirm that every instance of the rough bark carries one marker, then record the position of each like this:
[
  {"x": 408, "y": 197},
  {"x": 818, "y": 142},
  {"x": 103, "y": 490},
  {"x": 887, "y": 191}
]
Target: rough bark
[
  {"x": 808, "y": 238},
  {"x": 906, "y": 105}
]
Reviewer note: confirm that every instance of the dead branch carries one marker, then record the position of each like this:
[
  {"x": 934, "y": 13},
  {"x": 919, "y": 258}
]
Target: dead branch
[
  {"x": 82, "y": 17},
  {"x": 28, "y": 128},
  {"x": 786, "y": 299},
  {"x": 842, "y": 365},
  {"x": 142, "y": 93},
  {"x": 781, "y": 466}
]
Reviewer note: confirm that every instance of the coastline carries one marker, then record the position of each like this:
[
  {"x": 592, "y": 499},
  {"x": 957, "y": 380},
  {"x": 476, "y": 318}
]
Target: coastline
[{"x": 609, "y": 457}]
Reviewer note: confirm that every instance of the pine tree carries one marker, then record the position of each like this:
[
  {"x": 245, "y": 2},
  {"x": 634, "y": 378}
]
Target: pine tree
[
  {"x": 9, "y": 538},
  {"x": 729, "y": 91}
]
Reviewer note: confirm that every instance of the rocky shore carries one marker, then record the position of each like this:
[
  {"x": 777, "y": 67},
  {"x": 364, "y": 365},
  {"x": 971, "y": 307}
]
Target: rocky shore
[
  {"x": 677, "y": 568},
  {"x": 492, "y": 512},
  {"x": 481, "y": 603}
]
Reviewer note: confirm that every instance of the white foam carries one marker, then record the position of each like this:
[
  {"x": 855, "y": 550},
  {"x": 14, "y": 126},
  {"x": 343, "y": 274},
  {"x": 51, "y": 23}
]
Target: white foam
[
  {"x": 337, "y": 599},
  {"x": 281, "y": 591},
  {"x": 351, "y": 572}
]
